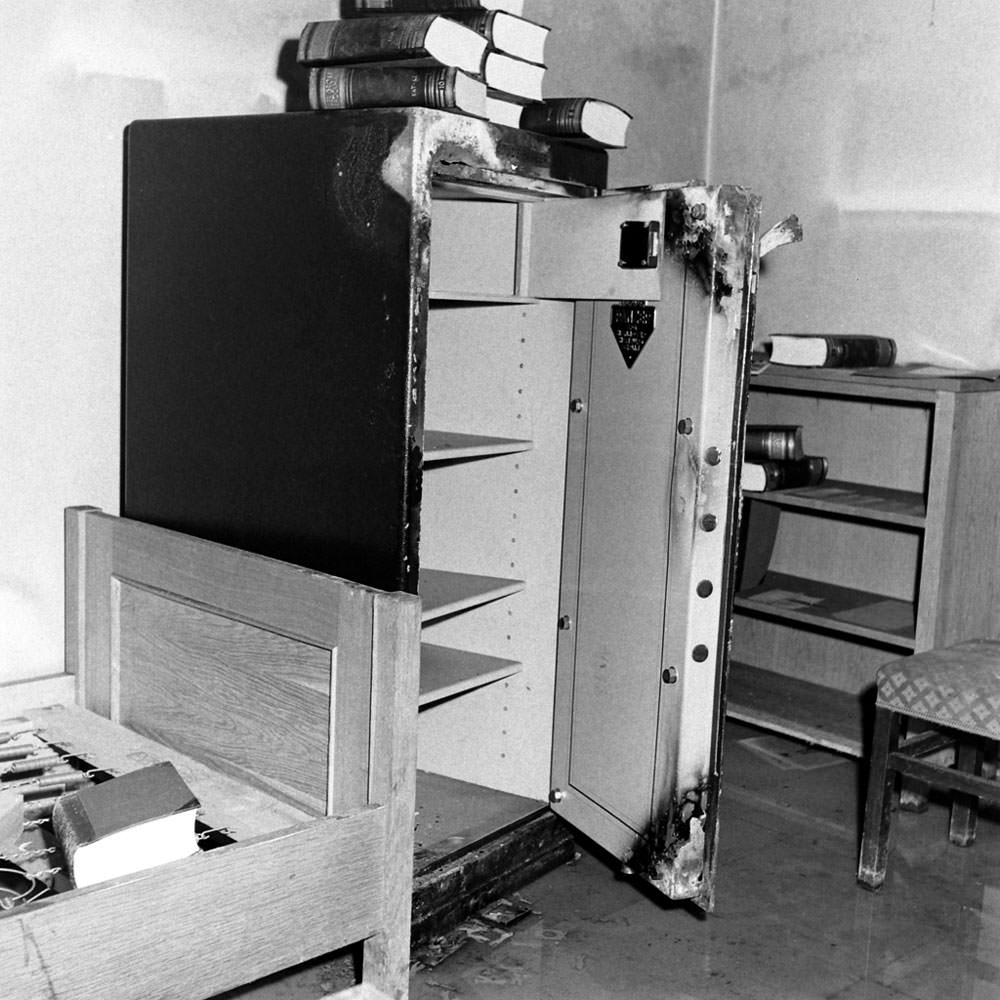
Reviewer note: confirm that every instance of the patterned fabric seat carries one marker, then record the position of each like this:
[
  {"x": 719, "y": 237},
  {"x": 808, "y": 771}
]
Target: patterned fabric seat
[
  {"x": 957, "y": 691},
  {"x": 957, "y": 687}
]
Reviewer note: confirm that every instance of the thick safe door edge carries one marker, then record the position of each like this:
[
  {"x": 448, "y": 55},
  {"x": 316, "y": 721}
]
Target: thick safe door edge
[{"x": 657, "y": 412}]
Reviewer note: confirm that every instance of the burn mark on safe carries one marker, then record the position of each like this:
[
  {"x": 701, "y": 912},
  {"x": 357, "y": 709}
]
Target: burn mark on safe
[
  {"x": 671, "y": 854},
  {"x": 690, "y": 233}
]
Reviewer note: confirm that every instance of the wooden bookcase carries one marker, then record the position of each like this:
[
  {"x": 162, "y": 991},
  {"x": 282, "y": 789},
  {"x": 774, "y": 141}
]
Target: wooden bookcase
[{"x": 897, "y": 552}]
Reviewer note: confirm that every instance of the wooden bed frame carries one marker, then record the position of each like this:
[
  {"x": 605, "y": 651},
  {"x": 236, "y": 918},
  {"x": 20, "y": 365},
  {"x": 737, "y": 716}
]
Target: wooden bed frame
[{"x": 286, "y": 698}]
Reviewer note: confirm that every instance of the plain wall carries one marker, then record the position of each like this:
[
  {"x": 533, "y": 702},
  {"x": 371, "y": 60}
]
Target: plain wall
[
  {"x": 876, "y": 124},
  {"x": 73, "y": 73}
]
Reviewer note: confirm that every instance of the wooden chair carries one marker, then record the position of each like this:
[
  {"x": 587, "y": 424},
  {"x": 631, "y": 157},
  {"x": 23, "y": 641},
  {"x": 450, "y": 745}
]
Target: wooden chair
[
  {"x": 957, "y": 691},
  {"x": 287, "y": 701}
]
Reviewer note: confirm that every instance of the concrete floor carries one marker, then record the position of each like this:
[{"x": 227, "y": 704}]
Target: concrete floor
[{"x": 790, "y": 921}]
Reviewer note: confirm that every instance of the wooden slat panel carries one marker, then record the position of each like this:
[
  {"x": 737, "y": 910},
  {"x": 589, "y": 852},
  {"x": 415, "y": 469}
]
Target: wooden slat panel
[
  {"x": 239, "y": 698},
  {"x": 283, "y": 599},
  {"x": 93, "y": 608},
  {"x": 392, "y": 780},
  {"x": 192, "y": 929},
  {"x": 291, "y": 600}
]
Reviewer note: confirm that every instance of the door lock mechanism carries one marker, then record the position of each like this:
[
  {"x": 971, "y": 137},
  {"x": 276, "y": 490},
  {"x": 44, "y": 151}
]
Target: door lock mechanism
[{"x": 639, "y": 244}]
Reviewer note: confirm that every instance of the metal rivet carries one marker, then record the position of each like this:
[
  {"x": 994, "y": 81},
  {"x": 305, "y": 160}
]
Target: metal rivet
[
  {"x": 685, "y": 426},
  {"x": 713, "y": 456},
  {"x": 699, "y": 654},
  {"x": 704, "y": 588},
  {"x": 709, "y": 522},
  {"x": 565, "y": 622},
  {"x": 670, "y": 675},
  {"x": 557, "y": 795},
  {"x": 576, "y": 405}
]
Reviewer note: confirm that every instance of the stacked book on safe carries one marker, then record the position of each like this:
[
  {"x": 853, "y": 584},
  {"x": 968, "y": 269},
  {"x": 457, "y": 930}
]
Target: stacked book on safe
[{"x": 476, "y": 57}]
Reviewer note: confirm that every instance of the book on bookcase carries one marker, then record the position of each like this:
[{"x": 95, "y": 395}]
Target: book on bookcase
[
  {"x": 429, "y": 37},
  {"x": 126, "y": 824},
  {"x": 578, "y": 119},
  {"x": 810, "y": 350},
  {"x": 783, "y": 474},
  {"x": 380, "y": 85},
  {"x": 358, "y": 8},
  {"x": 772, "y": 441}
]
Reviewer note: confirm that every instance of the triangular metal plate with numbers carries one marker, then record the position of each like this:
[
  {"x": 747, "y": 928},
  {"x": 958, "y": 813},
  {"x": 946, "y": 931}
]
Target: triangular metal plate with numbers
[{"x": 632, "y": 324}]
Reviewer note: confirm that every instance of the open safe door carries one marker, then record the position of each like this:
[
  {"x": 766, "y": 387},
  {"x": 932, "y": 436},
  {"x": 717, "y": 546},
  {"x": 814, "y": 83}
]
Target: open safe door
[{"x": 656, "y": 433}]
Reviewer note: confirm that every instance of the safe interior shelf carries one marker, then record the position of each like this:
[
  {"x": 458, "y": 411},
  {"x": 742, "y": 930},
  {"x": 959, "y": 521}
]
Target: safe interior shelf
[
  {"x": 857, "y": 500},
  {"x": 812, "y": 712},
  {"x": 450, "y": 446},
  {"x": 446, "y": 672},
  {"x": 444, "y": 592},
  {"x": 859, "y": 613},
  {"x": 458, "y": 296}
]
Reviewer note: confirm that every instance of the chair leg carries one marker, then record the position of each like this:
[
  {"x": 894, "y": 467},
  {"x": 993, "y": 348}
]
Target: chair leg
[
  {"x": 964, "y": 807},
  {"x": 878, "y": 807}
]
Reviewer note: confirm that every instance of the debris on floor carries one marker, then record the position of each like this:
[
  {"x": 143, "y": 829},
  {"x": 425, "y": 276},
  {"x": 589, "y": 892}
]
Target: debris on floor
[{"x": 488, "y": 927}]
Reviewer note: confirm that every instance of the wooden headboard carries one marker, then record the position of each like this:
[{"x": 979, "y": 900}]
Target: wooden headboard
[{"x": 280, "y": 676}]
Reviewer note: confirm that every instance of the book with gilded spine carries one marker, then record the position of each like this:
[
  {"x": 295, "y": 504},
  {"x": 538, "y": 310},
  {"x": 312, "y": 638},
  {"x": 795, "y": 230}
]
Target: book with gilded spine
[
  {"x": 773, "y": 441},
  {"x": 503, "y": 109},
  {"x": 358, "y": 8},
  {"x": 516, "y": 79},
  {"x": 578, "y": 119},
  {"x": 506, "y": 32},
  {"x": 810, "y": 350},
  {"x": 334, "y": 88},
  {"x": 389, "y": 39},
  {"x": 764, "y": 476}
]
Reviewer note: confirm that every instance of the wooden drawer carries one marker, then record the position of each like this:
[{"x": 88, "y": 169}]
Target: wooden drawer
[{"x": 320, "y": 859}]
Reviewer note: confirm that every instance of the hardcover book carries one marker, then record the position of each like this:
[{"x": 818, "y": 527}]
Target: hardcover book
[
  {"x": 807, "y": 350},
  {"x": 333, "y": 88},
  {"x": 516, "y": 36},
  {"x": 503, "y": 110},
  {"x": 579, "y": 119},
  {"x": 773, "y": 441},
  {"x": 513, "y": 78},
  {"x": 377, "y": 39},
  {"x": 126, "y": 824},
  {"x": 764, "y": 476},
  {"x": 357, "y": 8}
]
